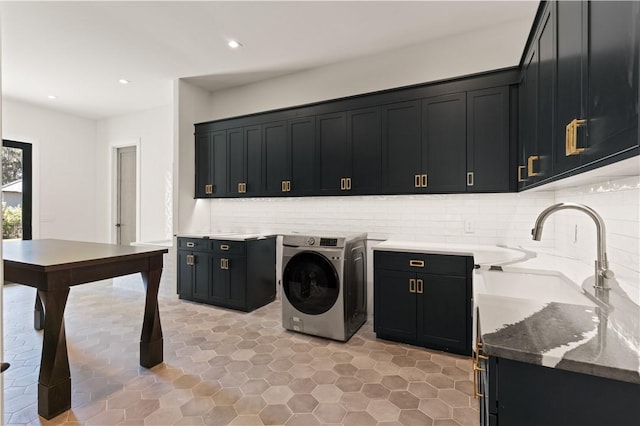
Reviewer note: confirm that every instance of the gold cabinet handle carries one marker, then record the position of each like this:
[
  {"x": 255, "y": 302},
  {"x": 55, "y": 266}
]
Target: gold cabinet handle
[
  {"x": 423, "y": 181},
  {"x": 348, "y": 184},
  {"x": 190, "y": 244},
  {"x": 469, "y": 178},
  {"x": 208, "y": 189},
  {"x": 416, "y": 263},
  {"x": 239, "y": 187},
  {"x": 190, "y": 259},
  {"x": 283, "y": 186},
  {"x": 412, "y": 285},
  {"x": 224, "y": 263},
  {"x": 530, "y": 161},
  {"x": 224, "y": 247},
  {"x": 476, "y": 382},
  {"x": 571, "y": 137},
  {"x": 343, "y": 184},
  {"x": 420, "y": 287},
  {"x": 288, "y": 186},
  {"x": 520, "y": 169},
  {"x": 416, "y": 181},
  {"x": 242, "y": 187}
]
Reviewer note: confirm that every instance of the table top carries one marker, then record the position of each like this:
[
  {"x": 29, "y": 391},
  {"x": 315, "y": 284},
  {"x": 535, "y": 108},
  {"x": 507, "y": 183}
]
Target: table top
[{"x": 50, "y": 254}]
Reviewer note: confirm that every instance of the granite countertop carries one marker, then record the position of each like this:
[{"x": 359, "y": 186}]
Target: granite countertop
[
  {"x": 590, "y": 335},
  {"x": 229, "y": 236}
]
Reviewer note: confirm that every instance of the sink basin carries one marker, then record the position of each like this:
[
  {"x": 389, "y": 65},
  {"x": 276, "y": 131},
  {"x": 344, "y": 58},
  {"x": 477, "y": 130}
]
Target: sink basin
[{"x": 541, "y": 287}]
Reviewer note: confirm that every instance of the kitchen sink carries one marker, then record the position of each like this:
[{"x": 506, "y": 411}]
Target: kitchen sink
[{"x": 534, "y": 286}]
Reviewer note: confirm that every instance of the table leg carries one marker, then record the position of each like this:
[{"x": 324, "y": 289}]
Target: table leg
[
  {"x": 151, "y": 346},
  {"x": 54, "y": 384},
  {"x": 38, "y": 314}
]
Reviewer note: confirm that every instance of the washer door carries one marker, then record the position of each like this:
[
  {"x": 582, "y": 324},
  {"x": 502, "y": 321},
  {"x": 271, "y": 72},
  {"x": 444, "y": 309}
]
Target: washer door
[{"x": 310, "y": 283}]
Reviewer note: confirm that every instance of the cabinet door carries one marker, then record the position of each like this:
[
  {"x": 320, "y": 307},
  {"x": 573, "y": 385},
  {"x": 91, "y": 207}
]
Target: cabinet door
[
  {"x": 185, "y": 275},
  {"x": 220, "y": 164},
  {"x": 443, "y": 312},
  {"x": 395, "y": 304},
  {"x": 331, "y": 131},
  {"x": 529, "y": 120},
  {"x": 546, "y": 90},
  {"x": 276, "y": 157},
  {"x": 401, "y": 148},
  {"x": 364, "y": 150},
  {"x": 204, "y": 164},
  {"x": 613, "y": 38},
  {"x": 237, "y": 281},
  {"x": 219, "y": 280},
  {"x": 303, "y": 156},
  {"x": 253, "y": 170},
  {"x": 444, "y": 143},
  {"x": 236, "y": 149},
  {"x": 570, "y": 65},
  {"x": 201, "y": 276},
  {"x": 488, "y": 140}
]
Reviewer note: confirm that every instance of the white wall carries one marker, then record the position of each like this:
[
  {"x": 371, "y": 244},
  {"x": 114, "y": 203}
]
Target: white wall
[
  {"x": 64, "y": 196},
  {"x": 460, "y": 55},
  {"x": 153, "y": 130}
]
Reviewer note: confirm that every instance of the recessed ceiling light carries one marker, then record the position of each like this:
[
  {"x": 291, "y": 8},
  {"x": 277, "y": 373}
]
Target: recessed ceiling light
[
  {"x": 123, "y": 81},
  {"x": 52, "y": 96},
  {"x": 233, "y": 44}
]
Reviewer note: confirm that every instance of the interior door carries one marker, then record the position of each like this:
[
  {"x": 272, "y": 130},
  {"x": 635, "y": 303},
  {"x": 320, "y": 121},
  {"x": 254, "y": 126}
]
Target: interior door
[{"x": 126, "y": 196}]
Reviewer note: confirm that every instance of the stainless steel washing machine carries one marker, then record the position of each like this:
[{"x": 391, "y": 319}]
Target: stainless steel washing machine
[{"x": 324, "y": 286}]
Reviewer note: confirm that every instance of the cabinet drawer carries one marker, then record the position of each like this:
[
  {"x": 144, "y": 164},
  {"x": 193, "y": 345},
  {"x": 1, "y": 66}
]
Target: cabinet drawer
[
  {"x": 231, "y": 247},
  {"x": 193, "y": 244},
  {"x": 420, "y": 262}
]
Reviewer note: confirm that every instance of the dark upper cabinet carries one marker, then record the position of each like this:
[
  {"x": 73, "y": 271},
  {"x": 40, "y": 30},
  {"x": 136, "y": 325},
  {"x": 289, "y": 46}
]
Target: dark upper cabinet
[
  {"x": 364, "y": 151},
  {"x": 219, "y": 163},
  {"x": 204, "y": 165},
  {"x": 537, "y": 104},
  {"x": 237, "y": 159},
  {"x": 401, "y": 148},
  {"x": 488, "y": 142},
  {"x": 302, "y": 151},
  {"x": 276, "y": 157},
  {"x": 349, "y": 151},
  {"x": 444, "y": 143},
  {"x": 571, "y": 64},
  {"x": 331, "y": 143},
  {"x": 613, "y": 39},
  {"x": 253, "y": 170}
]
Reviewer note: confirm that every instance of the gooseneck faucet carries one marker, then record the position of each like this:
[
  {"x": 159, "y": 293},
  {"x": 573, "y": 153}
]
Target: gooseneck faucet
[{"x": 602, "y": 271}]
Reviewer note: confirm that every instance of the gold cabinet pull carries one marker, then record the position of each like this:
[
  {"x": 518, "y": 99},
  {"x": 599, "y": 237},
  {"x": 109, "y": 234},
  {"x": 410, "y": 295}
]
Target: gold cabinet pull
[
  {"x": 190, "y": 244},
  {"x": 288, "y": 186},
  {"x": 242, "y": 187},
  {"x": 571, "y": 137},
  {"x": 283, "y": 186},
  {"x": 190, "y": 259},
  {"x": 416, "y": 180},
  {"x": 469, "y": 178},
  {"x": 530, "y": 161},
  {"x": 239, "y": 187},
  {"x": 520, "y": 169},
  {"x": 423, "y": 181},
  {"x": 224, "y": 247},
  {"x": 420, "y": 287},
  {"x": 412, "y": 285},
  {"x": 343, "y": 184},
  {"x": 348, "y": 184},
  {"x": 224, "y": 263},
  {"x": 208, "y": 189},
  {"x": 416, "y": 263},
  {"x": 476, "y": 383}
]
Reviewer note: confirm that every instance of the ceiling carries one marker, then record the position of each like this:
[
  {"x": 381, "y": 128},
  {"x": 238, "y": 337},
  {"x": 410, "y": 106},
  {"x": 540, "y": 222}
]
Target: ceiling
[{"x": 78, "y": 51}]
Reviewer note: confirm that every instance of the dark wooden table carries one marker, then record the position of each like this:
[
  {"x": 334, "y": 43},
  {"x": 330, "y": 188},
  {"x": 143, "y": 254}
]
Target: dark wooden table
[{"x": 52, "y": 267}]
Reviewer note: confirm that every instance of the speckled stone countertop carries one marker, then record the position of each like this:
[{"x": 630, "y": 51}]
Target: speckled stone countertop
[{"x": 590, "y": 336}]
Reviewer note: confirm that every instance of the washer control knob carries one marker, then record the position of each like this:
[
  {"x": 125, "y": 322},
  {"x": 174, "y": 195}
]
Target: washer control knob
[{"x": 311, "y": 241}]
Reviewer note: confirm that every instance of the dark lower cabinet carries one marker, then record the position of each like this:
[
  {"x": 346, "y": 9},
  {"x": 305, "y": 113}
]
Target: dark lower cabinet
[
  {"x": 521, "y": 394},
  {"x": 233, "y": 274},
  {"x": 423, "y": 299}
]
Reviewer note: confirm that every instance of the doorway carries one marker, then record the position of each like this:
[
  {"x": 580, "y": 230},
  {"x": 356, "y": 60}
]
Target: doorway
[
  {"x": 126, "y": 188},
  {"x": 17, "y": 190}
]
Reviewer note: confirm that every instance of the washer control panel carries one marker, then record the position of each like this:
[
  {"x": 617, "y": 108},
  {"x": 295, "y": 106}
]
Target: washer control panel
[{"x": 329, "y": 242}]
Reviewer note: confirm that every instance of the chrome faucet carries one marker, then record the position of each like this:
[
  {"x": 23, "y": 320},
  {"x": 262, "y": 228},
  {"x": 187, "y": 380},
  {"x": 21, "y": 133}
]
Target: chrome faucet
[{"x": 602, "y": 271}]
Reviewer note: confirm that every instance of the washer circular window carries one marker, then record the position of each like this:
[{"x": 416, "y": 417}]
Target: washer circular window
[{"x": 310, "y": 283}]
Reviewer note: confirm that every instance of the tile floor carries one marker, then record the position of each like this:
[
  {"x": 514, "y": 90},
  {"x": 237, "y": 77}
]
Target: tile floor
[{"x": 225, "y": 367}]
